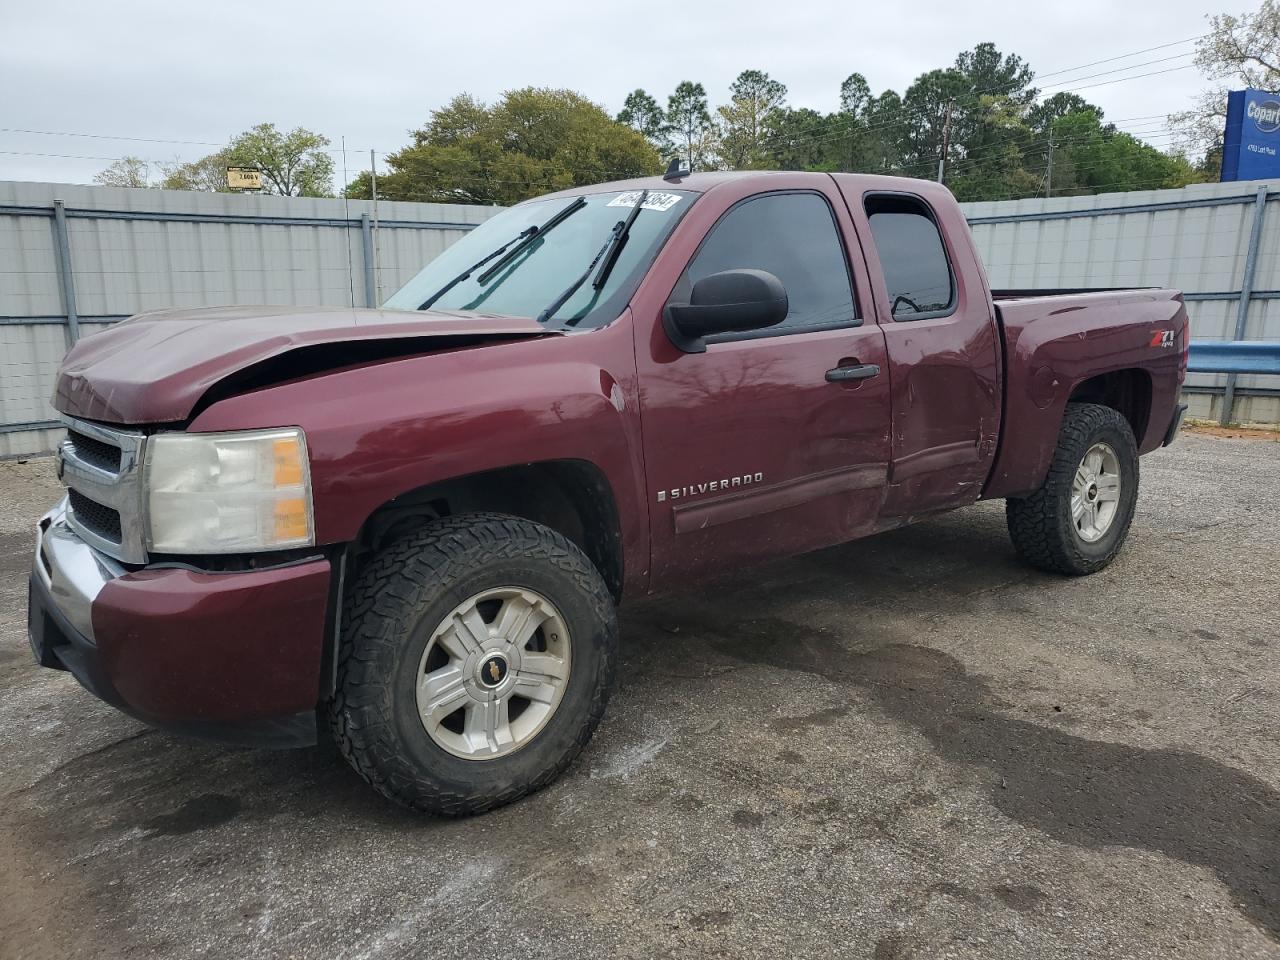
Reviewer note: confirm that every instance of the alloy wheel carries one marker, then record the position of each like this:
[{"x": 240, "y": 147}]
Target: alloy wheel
[{"x": 493, "y": 673}]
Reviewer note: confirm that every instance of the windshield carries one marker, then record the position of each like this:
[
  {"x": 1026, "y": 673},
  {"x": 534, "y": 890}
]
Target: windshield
[{"x": 546, "y": 265}]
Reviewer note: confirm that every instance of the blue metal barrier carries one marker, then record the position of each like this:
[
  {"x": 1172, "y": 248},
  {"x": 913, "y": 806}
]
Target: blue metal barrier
[{"x": 1234, "y": 356}]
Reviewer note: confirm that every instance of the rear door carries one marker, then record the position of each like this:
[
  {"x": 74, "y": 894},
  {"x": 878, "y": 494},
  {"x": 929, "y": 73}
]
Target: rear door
[
  {"x": 943, "y": 349},
  {"x": 750, "y": 450}
]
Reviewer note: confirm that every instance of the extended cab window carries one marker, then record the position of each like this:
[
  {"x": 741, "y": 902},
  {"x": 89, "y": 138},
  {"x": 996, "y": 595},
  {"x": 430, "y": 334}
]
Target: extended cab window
[
  {"x": 916, "y": 271},
  {"x": 793, "y": 236}
]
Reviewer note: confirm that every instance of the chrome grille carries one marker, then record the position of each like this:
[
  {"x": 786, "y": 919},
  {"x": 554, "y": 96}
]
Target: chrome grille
[
  {"x": 95, "y": 452},
  {"x": 103, "y": 521},
  {"x": 102, "y": 469}
]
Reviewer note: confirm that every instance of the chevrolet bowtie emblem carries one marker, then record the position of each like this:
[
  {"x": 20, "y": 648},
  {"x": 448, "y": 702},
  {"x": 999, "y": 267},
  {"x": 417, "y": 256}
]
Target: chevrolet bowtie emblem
[{"x": 493, "y": 670}]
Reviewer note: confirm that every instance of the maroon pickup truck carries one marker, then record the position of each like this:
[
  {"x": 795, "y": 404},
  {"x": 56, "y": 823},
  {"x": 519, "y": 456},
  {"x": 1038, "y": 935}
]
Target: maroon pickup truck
[{"x": 413, "y": 525}]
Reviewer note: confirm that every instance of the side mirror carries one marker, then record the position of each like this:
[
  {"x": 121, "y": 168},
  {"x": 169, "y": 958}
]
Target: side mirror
[{"x": 732, "y": 301}]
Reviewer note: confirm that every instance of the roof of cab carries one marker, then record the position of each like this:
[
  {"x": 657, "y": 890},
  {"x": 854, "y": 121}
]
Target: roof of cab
[{"x": 703, "y": 182}]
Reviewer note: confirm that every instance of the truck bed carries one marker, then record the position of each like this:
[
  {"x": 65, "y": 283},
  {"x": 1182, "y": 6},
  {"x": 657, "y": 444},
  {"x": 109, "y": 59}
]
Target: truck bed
[{"x": 1058, "y": 343}]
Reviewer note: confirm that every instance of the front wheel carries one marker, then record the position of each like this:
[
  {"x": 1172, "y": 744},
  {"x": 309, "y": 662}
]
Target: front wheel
[
  {"x": 1079, "y": 518},
  {"x": 476, "y": 660}
]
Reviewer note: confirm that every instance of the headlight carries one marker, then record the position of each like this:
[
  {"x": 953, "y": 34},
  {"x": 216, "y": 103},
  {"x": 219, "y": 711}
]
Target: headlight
[{"x": 228, "y": 492}]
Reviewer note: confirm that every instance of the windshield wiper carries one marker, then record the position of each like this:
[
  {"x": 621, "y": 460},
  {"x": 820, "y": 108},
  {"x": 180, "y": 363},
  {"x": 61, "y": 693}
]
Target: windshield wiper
[
  {"x": 577, "y": 204},
  {"x": 605, "y": 258},
  {"x": 521, "y": 241}
]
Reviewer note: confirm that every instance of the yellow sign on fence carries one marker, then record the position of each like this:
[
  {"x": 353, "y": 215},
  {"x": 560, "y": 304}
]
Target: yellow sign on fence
[{"x": 244, "y": 178}]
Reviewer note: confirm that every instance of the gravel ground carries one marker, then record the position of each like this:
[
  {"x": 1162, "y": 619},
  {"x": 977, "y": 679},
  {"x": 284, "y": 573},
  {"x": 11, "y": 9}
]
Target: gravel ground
[{"x": 907, "y": 747}]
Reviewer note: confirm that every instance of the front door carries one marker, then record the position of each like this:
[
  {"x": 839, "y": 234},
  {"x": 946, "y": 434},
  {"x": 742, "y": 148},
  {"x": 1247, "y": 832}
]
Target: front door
[{"x": 755, "y": 448}]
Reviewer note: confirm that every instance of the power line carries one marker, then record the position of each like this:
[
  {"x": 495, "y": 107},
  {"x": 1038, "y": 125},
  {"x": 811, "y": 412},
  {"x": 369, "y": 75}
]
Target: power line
[
  {"x": 1002, "y": 87},
  {"x": 161, "y": 140},
  {"x": 1077, "y": 168},
  {"x": 1099, "y": 136},
  {"x": 103, "y": 136},
  {"x": 73, "y": 156},
  {"x": 1123, "y": 56},
  {"x": 963, "y": 170},
  {"x": 1139, "y": 76},
  {"x": 904, "y": 113},
  {"x": 1130, "y": 66}
]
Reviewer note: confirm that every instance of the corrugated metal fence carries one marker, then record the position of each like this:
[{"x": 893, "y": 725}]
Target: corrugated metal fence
[
  {"x": 1217, "y": 242},
  {"x": 76, "y": 258}
]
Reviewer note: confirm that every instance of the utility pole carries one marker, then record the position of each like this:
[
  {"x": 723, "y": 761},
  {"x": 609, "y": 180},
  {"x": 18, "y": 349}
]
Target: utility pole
[
  {"x": 1048, "y": 172},
  {"x": 346, "y": 215},
  {"x": 377, "y": 267},
  {"x": 946, "y": 139}
]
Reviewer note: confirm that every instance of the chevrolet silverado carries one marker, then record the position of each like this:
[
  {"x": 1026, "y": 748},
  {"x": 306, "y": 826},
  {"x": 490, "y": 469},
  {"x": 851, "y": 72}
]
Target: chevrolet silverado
[{"x": 413, "y": 525}]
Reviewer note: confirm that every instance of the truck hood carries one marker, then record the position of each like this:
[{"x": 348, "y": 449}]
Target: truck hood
[{"x": 157, "y": 367}]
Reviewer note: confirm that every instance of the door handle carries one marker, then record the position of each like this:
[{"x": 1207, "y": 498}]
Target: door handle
[{"x": 856, "y": 371}]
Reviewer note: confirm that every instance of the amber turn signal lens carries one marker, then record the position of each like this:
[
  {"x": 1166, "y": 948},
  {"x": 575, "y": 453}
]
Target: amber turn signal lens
[
  {"x": 291, "y": 519},
  {"x": 288, "y": 461}
]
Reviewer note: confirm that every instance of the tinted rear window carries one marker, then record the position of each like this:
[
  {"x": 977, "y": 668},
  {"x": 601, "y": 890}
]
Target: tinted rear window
[{"x": 916, "y": 271}]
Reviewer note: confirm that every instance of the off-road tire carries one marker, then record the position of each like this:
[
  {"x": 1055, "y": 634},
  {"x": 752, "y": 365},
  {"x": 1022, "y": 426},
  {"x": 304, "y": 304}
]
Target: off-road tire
[
  {"x": 1041, "y": 526},
  {"x": 396, "y": 602}
]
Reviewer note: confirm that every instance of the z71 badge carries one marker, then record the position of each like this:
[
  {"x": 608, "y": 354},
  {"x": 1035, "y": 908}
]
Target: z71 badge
[
  {"x": 709, "y": 486},
  {"x": 1162, "y": 338}
]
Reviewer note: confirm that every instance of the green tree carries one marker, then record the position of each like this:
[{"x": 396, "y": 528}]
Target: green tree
[
  {"x": 989, "y": 94},
  {"x": 293, "y": 164},
  {"x": 532, "y": 141},
  {"x": 849, "y": 138},
  {"x": 863, "y": 136},
  {"x": 1238, "y": 51},
  {"x": 745, "y": 121},
  {"x": 804, "y": 139},
  {"x": 1041, "y": 116},
  {"x": 643, "y": 114},
  {"x": 855, "y": 95},
  {"x": 691, "y": 124},
  {"x": 988, "y": 71},
  {"x": 125, "y": 172},
  {"x": 880, "y": 149},
  {"x": 1094, "y": 157},
  {"x": 460, "y": 120},
  {"x": 1000, "y": 160},
  {"x": 208, "y": 174},
  {"x": 926, "y": 106}
]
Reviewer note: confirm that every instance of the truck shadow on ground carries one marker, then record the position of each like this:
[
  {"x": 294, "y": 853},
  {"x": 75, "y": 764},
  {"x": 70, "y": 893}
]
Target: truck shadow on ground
[{"x": 1084, "y": 792}]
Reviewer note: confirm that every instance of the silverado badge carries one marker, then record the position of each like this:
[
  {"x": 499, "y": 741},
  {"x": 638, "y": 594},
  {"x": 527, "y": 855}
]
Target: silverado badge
[{"x": 709, "y": 486}]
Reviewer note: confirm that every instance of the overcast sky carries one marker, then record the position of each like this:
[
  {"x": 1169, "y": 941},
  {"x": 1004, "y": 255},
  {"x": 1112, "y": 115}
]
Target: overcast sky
[{"x": 181, "y": 71}]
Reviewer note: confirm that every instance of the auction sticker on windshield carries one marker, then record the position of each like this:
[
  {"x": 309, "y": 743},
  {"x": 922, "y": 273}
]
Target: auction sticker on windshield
[{"x": 654, "y": 201}]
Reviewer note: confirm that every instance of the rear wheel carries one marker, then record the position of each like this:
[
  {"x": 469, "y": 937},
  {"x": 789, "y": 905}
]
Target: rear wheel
[
  {"x": 476, "y": 661},
  {"x": 1079, "y": 518}
]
